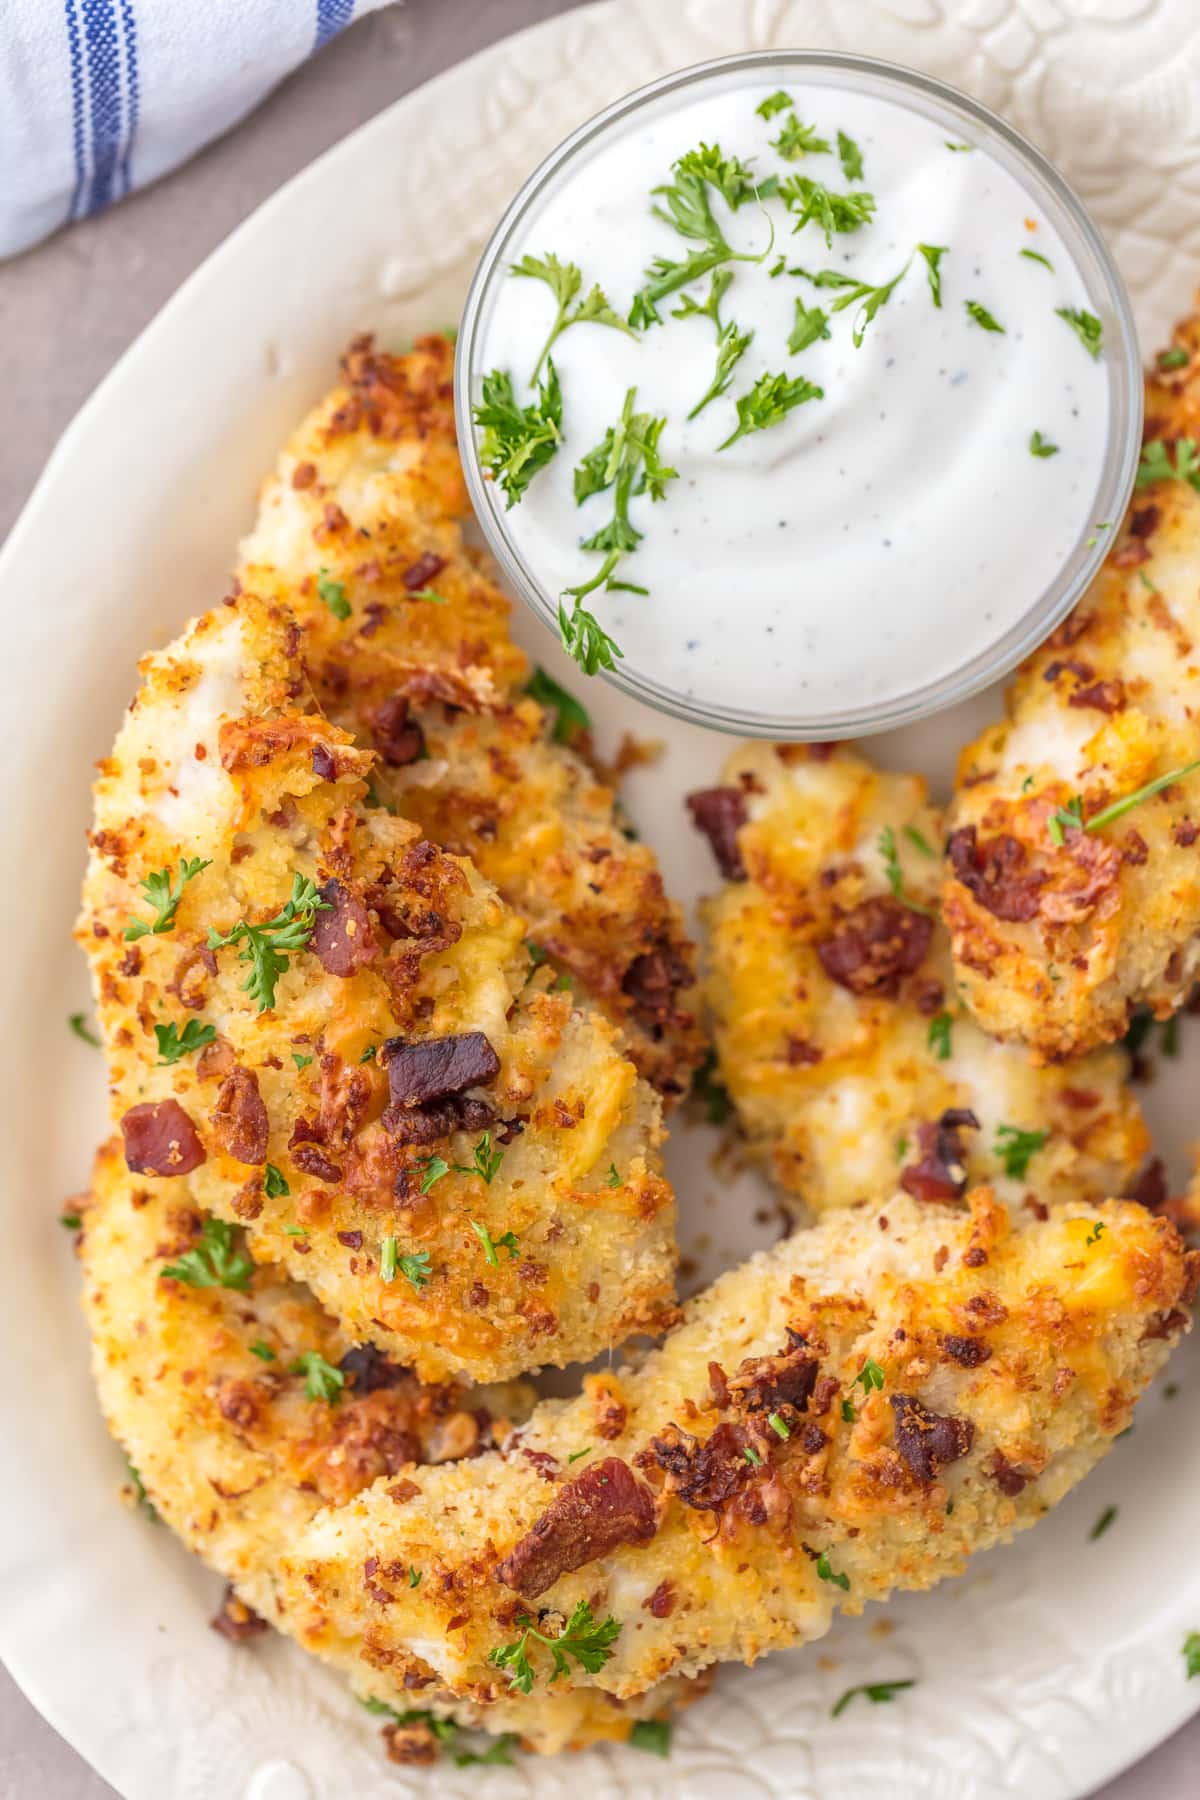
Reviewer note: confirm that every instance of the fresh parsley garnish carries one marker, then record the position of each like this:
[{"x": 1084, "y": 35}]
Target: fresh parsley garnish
[
  {"x": 826, "y": 1573},
  {"x": 517, "y": 440},
  {"x": 752, "y": 1456},
  {"x": 508, "y": 1242},
  {"x": 940, "y": 1028},
  {"x": 1174, "y": 358},
  {"x": 1156, "y": 463},
  {"x": 585, "y": 1640},
  {"x": 1096, "y": 1233},
  {"x": 1037, "y": 257},
  {"x": 427, "y": 593},
  {"x": 1040, "y": 446},
  {"x": 810, "y": 324},
  {"x": 886, "y": 845},
  {"x": 388, "y": 1256},
  {"x": 850, "y": 156},
  {"x": 920, "y": 842},
  {"x": 869, "y": 299},
  {"x": 565, "y": 281},
  {"x": 78, "y": 1024},
  {"x": 833, "y": 212},
  {"x": 1191, "y": 1653},
  {"x": 216, "y": 1261},
  {"x": 796, "y": 140},
  {"x": 869, "y": 1376},
  {"x": 268, "y": 947},
  {"x": 263, "y": 1351},
  {"x": 1070, "y": 817},
  {"x": 779, "y": 1425},
  {"x": 768, "y": 402},
  {"x": 613, "y": 1178},
  {"x": 1085, "y": 325},
  {"x": 932, "y": 255},
  {"x": 71, "y": 1221},
  {"x": 584, "y": 638},
  {"x": 174, "y": 1044},
  {"x": 982, "y": 316},
  {"x": 652, "y": 1735},
  {"x": 417, "y": 1268},
  {"x": 951, "y": 146},
  {"x": 139, "y": 1492},
  {"x": 300, "y": 1061},
  {"x": 711, "y": 1092},
  {"x": 1015, "y": 1147},
  {"x": 878, "y": 1692},
  {"x": 435, "y": 1167},
  {"x": 1102, "y": 1523},
  {"x": 322, "y": 1380},
  {"x": 688, "y": 211},
  {"x": 774, "y": 103},
  {"x": 626, "y": 460},
  {"x": 164, "y": 896},
  {"x": 570, "y": 718},
  {"x": 333, "y": 595}
]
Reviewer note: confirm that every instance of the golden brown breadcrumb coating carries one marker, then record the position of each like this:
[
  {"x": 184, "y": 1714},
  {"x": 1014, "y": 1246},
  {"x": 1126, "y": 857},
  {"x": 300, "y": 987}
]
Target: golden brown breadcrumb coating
[
  {"x": 459, "y": 1161},
  {"x": 406, "y": 636},
  {"x": 1062, "y": 923},
  {"x": 208, "y": 1391},
  {"x": 839, "y": 1036},
  {"x": 855, "y": 1411}
]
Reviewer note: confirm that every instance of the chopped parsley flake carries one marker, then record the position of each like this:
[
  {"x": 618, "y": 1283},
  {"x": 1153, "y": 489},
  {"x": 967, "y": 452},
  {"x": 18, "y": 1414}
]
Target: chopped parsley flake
[
  {"x": 940, "y": 1028},
  {"x": 435, "y": 1167},
  {"x": 613, "y": 1178},
  {"x": 275, "y": 1184},
  {"x": 779, "y": 1425},
  {"x": 1085, "y": 325},
  {"x": 263, "y": 1351},
  {"x": 812, "y": 201},
  {"x": 388, "y": 1254},
  {"x": 1037, "y": 257},
  {"x": 139, "y": 1492},
  {"x": 576, "y": 1454},
  {"x": 933, "y": 254},
  {"x": 416, "y": 1268},
  {"x": 570, "y": 718},
  {"x": 78, "y": 1024},
  {"x": 769, "y": 401},
  {"x": 850, "y": 156},
  {"x": 752, "y": 1456},
  {"x": 862, "y": 294},
  {"x": 688, "y": 211},
  {"x": 809, "y": 326},
  {"x": 1015, "y": 1147},
  {"x": 626, "y": 460},
  {"x": 508, "y": 1242},
  {"x": 826, "y": 1573},
  {"x": 1191, "y": 1653},
  {"x": 1102, "y": 1523},
  {"x": 796, "y": 140},
  {"x": 583, "y": 1639},
  {"x": 1174, "y": 358},
  {"x": 517, "y": 440},
  {"x": 774, "y": 103},
  {"x": 565, "y": 281},
  {"x": 1070, "y": 816},
  {"x": 710, "y": 1092},
  {"x": 1040, "y": 446},
  {"x": 164, "y": 895},
  {"x": 584, "y": 638},
  {"x": 216, "y": 1261},
  {"x": 869, "y": 1376},
  {"x": 1156, "y": 463},
  {"x": 878, "y": 1692},
  {"x": 174, "y": 1044},
  {"x": 70, "y": 1221},
  {"x": 322, "y": 1381},
  {"x": 732, "y": 344},
  {"x": 267, "y": 948},
  {"x": 886, "y": 845},
  {"x": 301, "y": 1062},
  {"x": 651, "y": 1735},
  {"x": 333, "y": 595},
  {"x": 982, "y": 316},
  {"x": 1096, "y": 1233}
]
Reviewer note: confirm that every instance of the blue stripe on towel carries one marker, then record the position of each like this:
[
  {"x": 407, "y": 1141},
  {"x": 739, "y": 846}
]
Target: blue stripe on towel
[
  {"x": 76, "y": 56},
  {"x": 332, "y": 16},
  {"x": 107, "y": 104},
  {"x": 132, "y": 90}
]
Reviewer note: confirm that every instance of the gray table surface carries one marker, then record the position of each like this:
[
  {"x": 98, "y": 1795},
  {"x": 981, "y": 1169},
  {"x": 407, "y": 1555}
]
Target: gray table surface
[{"x": 124, "y": 265}]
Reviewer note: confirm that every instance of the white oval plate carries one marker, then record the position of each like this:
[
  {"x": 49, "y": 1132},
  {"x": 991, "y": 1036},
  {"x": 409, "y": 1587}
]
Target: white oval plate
[{"x": 1051, "y": 1665}]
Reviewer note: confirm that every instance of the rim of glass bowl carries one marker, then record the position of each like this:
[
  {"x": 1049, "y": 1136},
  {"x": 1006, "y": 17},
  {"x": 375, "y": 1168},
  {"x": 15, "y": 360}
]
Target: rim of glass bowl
[{"x": 1121, "y": 358}]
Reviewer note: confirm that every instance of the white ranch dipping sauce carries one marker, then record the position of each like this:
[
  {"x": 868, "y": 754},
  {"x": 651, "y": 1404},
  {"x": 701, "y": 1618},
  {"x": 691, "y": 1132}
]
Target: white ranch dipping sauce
[{"x": 877, "y": 538}]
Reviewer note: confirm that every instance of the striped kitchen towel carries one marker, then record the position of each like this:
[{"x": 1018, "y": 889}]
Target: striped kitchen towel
[{"x": 101, "y": 96}]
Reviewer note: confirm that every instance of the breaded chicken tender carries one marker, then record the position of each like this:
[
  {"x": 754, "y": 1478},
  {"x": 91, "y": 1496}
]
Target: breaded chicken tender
[
  {"x": 839, "y": 1036},
  {"x": 334, "y": 1030},
  {"x": 1073, "y": 887},
  {"x": 406, "y": 637},
  {"x": 244, "y": 1410},
  {"x": 855, "y": 1411}
]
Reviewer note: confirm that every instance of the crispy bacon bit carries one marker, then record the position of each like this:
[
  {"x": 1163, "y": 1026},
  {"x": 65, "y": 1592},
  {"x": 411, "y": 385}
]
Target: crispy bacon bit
[
  {"x": 785, "y": 1379},
  {"x": 400, "y": 739},
  {"x": 1007, "y": 1477},
  {"x": 661, "y": 1603},
  {"x": 323, "y": 763},
  {"x": 720, "y": 813},
  {"x": 1185, "y": 833},
  {"x": 1144, "y": 521},
  {"x": 969, "y": 1351},
  {"x": 353, "y": 1240},
  {"x": 801, "y": 1054},
  {"x": 315, "y": 1162},
  {"x": 160, "y": 1139},
  {"x": 875, "y": 946},
  {"x": 718, "y": 1383},
  {"x": 423, "y": 571},
  {"x": 237, "y": 1402},
  {"x": 927, "y": 1440},
  {"x": 367, "y": 1370},
  {"x": 342, "y": 938},
  {"x": 239, "y": 1119},
  {"x": 928, "y": 996},
  {"x": 704, "y": 1476},
  {"x": 996, "y": 872},
  {"x": 412, "y": 1746},
  {"x": 304, "y": 474},
  {"x": 606, "y": 1506},
  {"x": 652, "y": 981},
  {"x": 437, "y": 1068},
  {"x": 940, "y": 1172},
  {"x": 1150, "y": 1187},
  {"x": 235, "y": 1620},
  {"x": 1104, "y": 696}
]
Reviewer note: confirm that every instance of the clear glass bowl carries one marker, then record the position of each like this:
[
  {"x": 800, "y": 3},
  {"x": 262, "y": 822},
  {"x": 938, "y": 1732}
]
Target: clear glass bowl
[{"x": 1055, "y": 201}]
